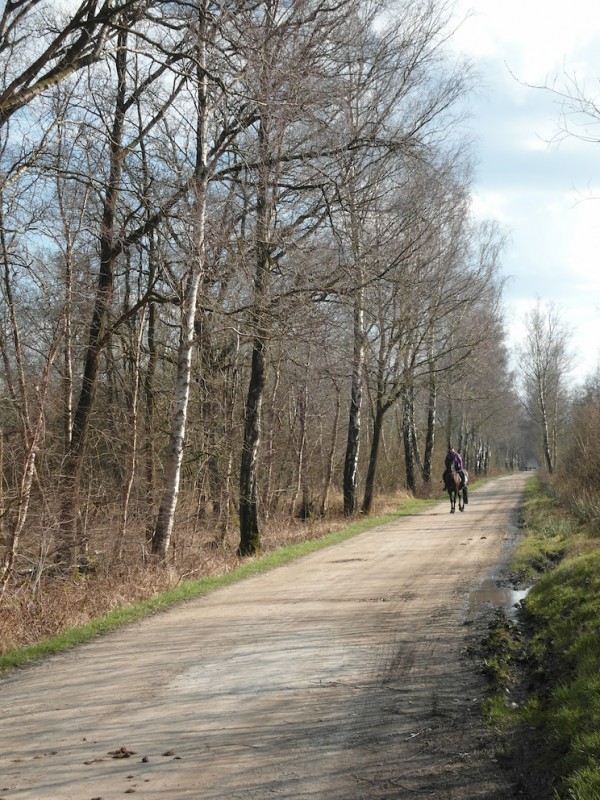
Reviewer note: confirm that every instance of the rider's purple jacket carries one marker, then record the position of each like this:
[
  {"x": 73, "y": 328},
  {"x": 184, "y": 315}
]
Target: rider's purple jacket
[{"x": 457, "y": 461}]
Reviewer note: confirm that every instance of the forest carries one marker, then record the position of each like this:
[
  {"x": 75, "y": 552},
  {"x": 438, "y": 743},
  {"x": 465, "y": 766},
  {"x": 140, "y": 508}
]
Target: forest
[{"x": 242, "y": 283}]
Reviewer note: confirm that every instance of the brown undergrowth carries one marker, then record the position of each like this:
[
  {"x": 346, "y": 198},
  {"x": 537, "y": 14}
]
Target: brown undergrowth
[{"x": 40, "y": 602}]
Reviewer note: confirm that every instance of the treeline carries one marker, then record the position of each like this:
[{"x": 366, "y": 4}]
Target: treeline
[
  {"x": 578, "y": 479},
  {"x": 240, "y": 272}
]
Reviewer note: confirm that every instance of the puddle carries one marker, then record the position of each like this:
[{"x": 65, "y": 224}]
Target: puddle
[{"x": 489, "y": 594}]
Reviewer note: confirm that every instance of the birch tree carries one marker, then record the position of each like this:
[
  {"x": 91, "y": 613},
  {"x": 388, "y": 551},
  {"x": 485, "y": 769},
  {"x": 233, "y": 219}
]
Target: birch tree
[
  {"x": 165, "y": 520},
  {"x": 26, "y": 390},
  {"x": 400, "y": 95},
  {"x": 29, "y": 340},
  {"x": 290, "y": 42},
  {"x": 544, "y": 364},
  {"x": 119, "y": 230},
  {"x": 37, "y": 53}
]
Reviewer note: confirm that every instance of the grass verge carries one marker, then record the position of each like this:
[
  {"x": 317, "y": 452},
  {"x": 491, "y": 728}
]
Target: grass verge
[
  {"x": 544, "y": 674},
  {"x": 189, "y": 589},
  {"x": 564, "y": 612}
]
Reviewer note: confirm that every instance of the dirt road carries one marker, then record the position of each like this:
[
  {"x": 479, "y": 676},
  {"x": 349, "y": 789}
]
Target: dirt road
[{"x": 342, "y": 676}]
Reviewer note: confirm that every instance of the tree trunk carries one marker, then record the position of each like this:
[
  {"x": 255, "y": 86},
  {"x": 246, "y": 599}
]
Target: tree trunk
[
  {"x": 350, "y": 487},
  {"x": 546, "y": 446},
  {"x": 165, "y": 520},
  {"x": 331, "y": 457},
  {"x": 2, "y": 509},
  {"x": 73, "y": 462},
  {"x": 300, "y": 468},
  {"x": 249, "y": 528},
  {"x": 467, "y": 448},
  {"x": 149, "y": 404},
  {"x": 544, "y": 426},
  {"x": 413, "y": 432},
  {"x": 270, "y": 443},
  {"x": 461, "y": 444},
  {"x": 431, "y": 422},
  {"x": 409, "y": 456},
  {"x": 555, "y": 431},
  {"x": 229, "y": 426},
  {"x": 68, "y": 355},
  {"x": 149, "y": 377},
  {"x": 449, "y": 422},
  {"x": 130, "y": 467},
  {"x": 373, "y": 456}
]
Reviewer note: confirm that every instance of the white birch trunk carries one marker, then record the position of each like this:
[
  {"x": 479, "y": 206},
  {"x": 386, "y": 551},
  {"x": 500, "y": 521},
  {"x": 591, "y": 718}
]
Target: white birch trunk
[{"x": 168, "y": 504}]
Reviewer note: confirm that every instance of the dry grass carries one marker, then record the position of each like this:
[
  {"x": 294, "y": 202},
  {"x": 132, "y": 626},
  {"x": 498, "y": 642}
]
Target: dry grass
[{"x": 34, "y": 609}]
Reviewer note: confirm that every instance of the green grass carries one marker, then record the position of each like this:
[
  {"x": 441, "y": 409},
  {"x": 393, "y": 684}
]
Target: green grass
[
  {"x": 583, "y": 784},
  {"x": 548, "y": 533},
  {"x": 564, "y": 608},
  {"x": 195, "y": 588},
  {"x": 562, "y": 613},
  {"x": 501, "y": 653}
]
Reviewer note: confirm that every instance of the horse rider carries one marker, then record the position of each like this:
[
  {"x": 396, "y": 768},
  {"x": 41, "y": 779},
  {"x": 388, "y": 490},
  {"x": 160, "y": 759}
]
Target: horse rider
[{"x": 454, "y": 461}]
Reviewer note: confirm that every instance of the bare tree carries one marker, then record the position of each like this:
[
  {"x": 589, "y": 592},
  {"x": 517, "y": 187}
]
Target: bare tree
[
  {"x": 400, "y": 94},
  {"x": 116, "y": 235},
  {"x": 437, "y": 271},
  {"x": 199, "y": 28},
  {"x": 290, "y": 40},
  {"x": 205, "y": 198},
  {"x": 581, "y": 456},
  {"x": 579, "y": 107},
  {"x": 33, "y": 428},
  {"x": 37, "y": 53},
  {"x": 100, "y": 320},
  {"x": 544, "y": 363},
  {"x": 28, "y": 347}
]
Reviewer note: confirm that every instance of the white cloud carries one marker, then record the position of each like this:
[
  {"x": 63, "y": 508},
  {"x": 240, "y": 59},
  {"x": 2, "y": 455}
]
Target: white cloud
[
  {"x": 584, "y": 244},
  {"x": 537, "y": 186},
  {"x": 532, "y": 36}
]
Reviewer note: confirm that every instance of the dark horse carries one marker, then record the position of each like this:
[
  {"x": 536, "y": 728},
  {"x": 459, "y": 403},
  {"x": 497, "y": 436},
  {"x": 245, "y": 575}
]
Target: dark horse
[{"x": 452, "y": 484}]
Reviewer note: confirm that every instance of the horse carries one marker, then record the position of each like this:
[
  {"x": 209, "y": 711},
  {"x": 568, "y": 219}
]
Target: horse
[{"x": 452, "y": 484}]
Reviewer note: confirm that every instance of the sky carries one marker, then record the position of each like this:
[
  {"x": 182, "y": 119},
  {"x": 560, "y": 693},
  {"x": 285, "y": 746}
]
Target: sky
[{"x": 543, "y": 189}]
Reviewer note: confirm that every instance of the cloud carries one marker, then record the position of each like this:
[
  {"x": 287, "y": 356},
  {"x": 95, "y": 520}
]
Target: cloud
[
  {"x": 542, "y": 188},
  {"x": 532, "y": 36}
]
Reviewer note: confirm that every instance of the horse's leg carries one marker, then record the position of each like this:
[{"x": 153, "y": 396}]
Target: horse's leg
[
  {"x": 461, "y": 501},
  {"x": 452, "y": 501}
]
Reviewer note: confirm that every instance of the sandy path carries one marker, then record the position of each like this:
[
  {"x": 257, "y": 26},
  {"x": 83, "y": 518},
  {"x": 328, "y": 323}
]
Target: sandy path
[{"x": 342, "y": 676}]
